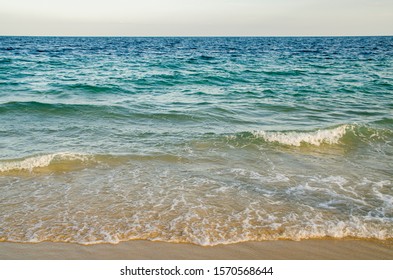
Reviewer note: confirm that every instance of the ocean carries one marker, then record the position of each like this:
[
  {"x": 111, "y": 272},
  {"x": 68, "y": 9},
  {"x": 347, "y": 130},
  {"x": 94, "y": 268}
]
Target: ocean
[{"x": 207, "y": 141}]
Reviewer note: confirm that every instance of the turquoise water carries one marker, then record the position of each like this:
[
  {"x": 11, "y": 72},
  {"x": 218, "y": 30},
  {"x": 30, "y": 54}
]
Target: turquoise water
[{"x": 198, "y": 140}]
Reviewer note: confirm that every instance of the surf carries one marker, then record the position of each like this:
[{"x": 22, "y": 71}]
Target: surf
[
  {"x": 345, "y": 134},
  {"x": 53, "y": 161}
]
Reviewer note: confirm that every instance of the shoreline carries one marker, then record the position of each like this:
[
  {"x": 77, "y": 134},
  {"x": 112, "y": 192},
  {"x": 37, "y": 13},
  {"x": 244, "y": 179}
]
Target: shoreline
[{"x": 314, "y": 249}]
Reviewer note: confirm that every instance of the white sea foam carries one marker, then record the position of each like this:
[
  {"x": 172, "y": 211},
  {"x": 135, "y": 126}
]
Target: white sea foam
[
  {"x": 30, "y": 163},
  {"x": 296, "y": 138},
  {"x": 271, "y": 178}
]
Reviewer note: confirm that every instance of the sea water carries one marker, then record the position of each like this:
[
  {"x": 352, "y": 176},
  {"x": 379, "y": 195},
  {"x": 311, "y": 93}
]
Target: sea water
[{"x": 198, "y": 140}]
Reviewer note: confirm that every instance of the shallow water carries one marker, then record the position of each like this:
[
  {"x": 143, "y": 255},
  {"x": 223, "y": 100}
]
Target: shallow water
[{"x": 198, "y": 140}]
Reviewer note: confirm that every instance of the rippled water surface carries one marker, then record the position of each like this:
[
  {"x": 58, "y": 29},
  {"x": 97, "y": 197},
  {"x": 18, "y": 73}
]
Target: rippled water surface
[{"x": 198, "y": 140}]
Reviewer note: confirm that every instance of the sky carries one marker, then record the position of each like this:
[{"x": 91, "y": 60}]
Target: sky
[{"x": 196, "y": 17}]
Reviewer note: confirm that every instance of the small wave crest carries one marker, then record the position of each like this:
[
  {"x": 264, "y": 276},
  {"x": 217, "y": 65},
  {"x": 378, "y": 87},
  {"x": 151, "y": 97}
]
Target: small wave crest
[
  {"x": 42, "y": 161},
  {"x": 296, "y": 138},
  {"x": 342, "y": 134}
]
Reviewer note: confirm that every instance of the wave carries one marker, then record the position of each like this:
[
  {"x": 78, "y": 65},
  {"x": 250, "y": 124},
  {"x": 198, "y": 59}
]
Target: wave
[
  {"x": 296, "y": 138},
  {"x": 88, "y": 88},
  {"x": 67, "y": 161},
  {"x": 292, "y": 72},
  {"x": 39, "y": 106},
  {"x": 61, "y": 160},
  {"x": 97, "y": 110},
  {"x": 59, "y": 109},
  {"x": 343, "y": 134},
  {"x": 30, "y": 106}
]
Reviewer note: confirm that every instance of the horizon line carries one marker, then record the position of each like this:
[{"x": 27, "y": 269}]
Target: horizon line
[{"x": 194, "y": 36}]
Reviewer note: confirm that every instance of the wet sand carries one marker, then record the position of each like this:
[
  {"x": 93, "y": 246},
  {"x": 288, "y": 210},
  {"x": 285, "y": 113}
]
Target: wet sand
[{"x": 145, "y": 250}]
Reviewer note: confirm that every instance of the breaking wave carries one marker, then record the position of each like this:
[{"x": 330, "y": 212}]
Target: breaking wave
[
  {"x": 343, "y": 134},
  {"x": 42, "y": 161}
]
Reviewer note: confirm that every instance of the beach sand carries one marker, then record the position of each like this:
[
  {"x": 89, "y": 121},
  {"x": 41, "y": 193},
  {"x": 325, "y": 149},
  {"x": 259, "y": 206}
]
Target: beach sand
[{"x": 145, "y": 250}]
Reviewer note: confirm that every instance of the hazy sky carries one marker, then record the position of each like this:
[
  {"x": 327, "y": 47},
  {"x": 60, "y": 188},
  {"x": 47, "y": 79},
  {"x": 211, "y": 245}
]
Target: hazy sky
[{"x": 196, "y": 17}]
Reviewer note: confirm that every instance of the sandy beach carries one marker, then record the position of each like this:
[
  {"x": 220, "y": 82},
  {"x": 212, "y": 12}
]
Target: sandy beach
[{"x": 145, "y": 250}]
